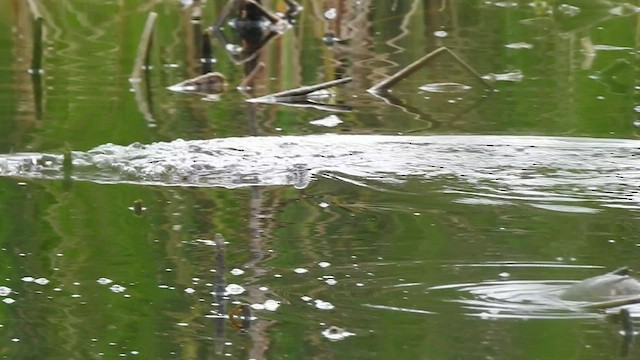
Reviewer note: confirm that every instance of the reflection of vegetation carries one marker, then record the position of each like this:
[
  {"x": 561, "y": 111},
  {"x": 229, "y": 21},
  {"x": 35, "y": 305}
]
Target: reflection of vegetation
[{"x": 86, "y": 101}]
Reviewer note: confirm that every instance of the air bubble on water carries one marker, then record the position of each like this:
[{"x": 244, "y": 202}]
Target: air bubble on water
[
  {"x": 568, "y": 10},
  {"x": 323, "y": 205},
  {"x": 117, "y": 288},
  {"x": 330, "y": 14},
  {"x": 237, "y": 272},
  {"x": 271, "y": 305},
  {"x": 182, "y": 324},
  {"x": 329, "y": 121},
  {"x": 506, "y": 4},
  {"x": 8, "y": 300},
  {"x": 27, "y": 279},
  {"x": 324, "y": 305},
  {"x": 331, "y": 281},
  {"x": 257, "y": 306},
  {"x": 104, "y": 281},
  {"x": 5, "y": 291},
  {"x": 504, "y": 275},
  {"x": 41, "y": 281},
  {"x": 306, "y": 298},
  {"x": 189, "y": 290},
  {"x": 445, "y": 87},
  {"x": 324, "y": 264},
  {"x": 519, "y": 45},
  {"x": 441, "y": 34},
  {"x": 234, "y": 289},
  {"x": 300, "y": 271},
  {"x": 335, "y": 333}
]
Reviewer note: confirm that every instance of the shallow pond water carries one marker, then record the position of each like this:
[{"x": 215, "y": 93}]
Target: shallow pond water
[{"x": 439, "y": 221}]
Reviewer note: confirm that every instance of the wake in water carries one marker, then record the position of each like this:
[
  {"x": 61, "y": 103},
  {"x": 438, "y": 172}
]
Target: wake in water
[{"x": 548, "y": 168}]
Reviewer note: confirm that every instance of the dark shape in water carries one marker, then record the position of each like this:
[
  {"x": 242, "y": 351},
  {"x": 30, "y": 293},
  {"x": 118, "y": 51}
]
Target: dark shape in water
[
  {"x": 138, "y": 207},
  {"x": 614, "y": 285}
]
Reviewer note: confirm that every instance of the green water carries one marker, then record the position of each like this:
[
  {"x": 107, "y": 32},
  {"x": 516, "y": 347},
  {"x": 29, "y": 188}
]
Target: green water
[{"x": 379, "y": 256}]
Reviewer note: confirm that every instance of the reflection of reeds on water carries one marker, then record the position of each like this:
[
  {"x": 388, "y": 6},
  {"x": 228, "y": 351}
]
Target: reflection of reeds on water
[{"x": 142, "y": 56}]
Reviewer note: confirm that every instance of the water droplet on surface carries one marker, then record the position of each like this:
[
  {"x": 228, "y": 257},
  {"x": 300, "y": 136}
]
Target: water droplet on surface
[
  {"x": 506, "y": 4},
  {"x": 271, "y": 305},
  {"x": 117, "y": 288},
  {"x": 441, "y": 34},
  {"x": 330, "y": 14},
  {"x": 237, "y": 272},
  {"x": 445, "y": 87},
  {"x": 568, "y": 10},
  {"x": 324, "y": 305},
  {"x": 519, "y": 45},
  {"x": 41, "y": 281},
  {"x": 335, "y": 333},
  {"x": 234, "y": 289},
  {"x": 329, "y": 121}
]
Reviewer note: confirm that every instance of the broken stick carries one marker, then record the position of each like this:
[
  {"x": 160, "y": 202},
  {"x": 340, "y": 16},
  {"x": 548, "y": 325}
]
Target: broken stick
[
  {"x": 266, "y": 13},
  {"x": 299, "y": 92},
  {"x": 612, "y": 303},
  {"x": 413, "y": 67},
  {"x": 244, "y": 85}
]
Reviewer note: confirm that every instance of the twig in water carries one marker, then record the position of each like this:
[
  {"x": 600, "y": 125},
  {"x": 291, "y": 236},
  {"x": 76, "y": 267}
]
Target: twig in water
[
  {"x": 413, "y": 67},
  {"x": 143, "y": 47},
  {"x": 275, "y": 19},
  {"x": 226, "y": 10},
  {"x": 249, "y": 78},
  {"x": 299, "y": 92},
  {"x": 612, "y": 303}
]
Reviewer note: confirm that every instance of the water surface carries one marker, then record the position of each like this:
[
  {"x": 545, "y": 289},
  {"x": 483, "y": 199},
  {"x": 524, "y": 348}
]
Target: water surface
[{"x": 437, "y": 222}]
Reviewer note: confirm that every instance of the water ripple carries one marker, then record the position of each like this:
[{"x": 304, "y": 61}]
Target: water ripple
[{"x": 545, "y": 171}]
